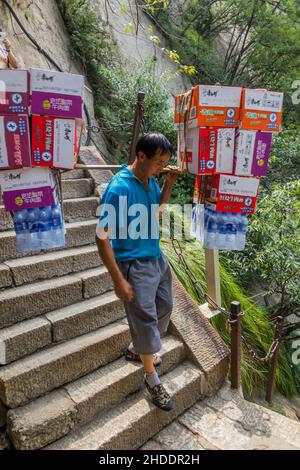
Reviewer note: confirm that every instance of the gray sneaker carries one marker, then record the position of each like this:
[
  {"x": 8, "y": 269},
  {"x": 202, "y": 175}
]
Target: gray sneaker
[{"x": 160, "y": 396}]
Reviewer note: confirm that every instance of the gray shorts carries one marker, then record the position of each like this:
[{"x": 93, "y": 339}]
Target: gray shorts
[{"x": 149, "y": 312}]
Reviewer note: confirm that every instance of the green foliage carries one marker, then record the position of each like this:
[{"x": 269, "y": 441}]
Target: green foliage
[
  {"x": 251, "y": 43},
  {"x": 284, "y": 164},
  {"x": 126, "y": 83},
  {"x": 273, "y": 247},
  {"x": 91, "y": 45}
]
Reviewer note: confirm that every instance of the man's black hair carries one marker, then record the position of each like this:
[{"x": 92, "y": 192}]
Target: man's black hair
[{"x": 152, "y": 143}]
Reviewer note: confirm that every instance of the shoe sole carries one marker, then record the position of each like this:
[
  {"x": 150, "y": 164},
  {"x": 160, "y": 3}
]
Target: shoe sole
[
  {"x": 130, "y": 359},
  {"x": 161, "y": 407}
]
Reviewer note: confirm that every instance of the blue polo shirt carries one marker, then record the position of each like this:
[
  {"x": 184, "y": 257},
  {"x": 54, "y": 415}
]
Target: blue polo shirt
[{"x": 129, "y": 209}]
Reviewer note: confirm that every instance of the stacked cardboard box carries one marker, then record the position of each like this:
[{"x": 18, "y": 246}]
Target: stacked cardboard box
[
  {"x": 40, "y": 125},
  {"x": 224, "y": 138},
  {"x": 14, "y": 119},
  {"x": 57, "y": 111}
]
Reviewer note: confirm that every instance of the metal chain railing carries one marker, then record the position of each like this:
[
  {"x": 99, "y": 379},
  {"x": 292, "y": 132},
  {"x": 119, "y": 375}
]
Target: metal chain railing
[
  {"x": 234, "y": 319},
  {"x": 270, "y": 354},
  {"x": 179, "y": 253}
]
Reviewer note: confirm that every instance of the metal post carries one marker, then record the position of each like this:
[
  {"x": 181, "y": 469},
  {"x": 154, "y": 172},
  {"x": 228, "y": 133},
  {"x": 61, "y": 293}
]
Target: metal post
[
  {"x": 236, "y": 334},
  {"x": 137, "y": 125},
  {"x": 274, "y": 362}
]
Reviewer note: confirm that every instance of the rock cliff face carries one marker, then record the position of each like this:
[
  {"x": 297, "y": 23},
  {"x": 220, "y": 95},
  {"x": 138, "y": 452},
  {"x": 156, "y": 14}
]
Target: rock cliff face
[
  {"x": 138, "y": 47},
  {"x": 43, "y": 21}
]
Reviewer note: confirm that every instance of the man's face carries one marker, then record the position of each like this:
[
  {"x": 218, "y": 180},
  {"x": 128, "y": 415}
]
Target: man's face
[{"x": 153, "y": 166}]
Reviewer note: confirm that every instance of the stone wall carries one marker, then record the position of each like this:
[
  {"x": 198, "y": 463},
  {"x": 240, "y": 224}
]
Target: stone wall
[
  {"x": 43, "y": 21},
  {"x": 138, "y": 47}
]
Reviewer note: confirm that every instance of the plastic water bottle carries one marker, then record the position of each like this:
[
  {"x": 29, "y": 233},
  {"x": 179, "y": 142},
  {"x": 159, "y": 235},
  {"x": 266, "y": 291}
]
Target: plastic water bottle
[
  {"x": 222, "y": 231},
  {"x": 45, "y": 215},
  {"x": 210, "y": 236},
  {"x": 22, "y": 232},
  {"x": 241, "y": 232},
  {"x": 200, "y": 223},
  {"x": 231, "y": 231},
  {"x": 57, "y": 227},
  {"x": 34, "y": 228},
  {"x": 207, "y": 213},
  {"x": 193, "y": 222}
]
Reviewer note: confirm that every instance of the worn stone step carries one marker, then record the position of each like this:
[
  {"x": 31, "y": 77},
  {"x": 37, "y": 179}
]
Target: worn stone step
[
  {"x": 80, "y": 209},
  {"x": 74, "y": 210},
  {"x": 133, "y": 422},
  {"x": 51, "y": 417},
  {"x": 29, "y": 336},
  {"x": 78, "y": 234},
  {"x": 6, "y": 222},
  {"x": 21, "y": 303},
  {"x": 76, "y": 188},
  {"x": 53, "y": 367},
  {"x": 54, "y": 264},
  {"x": 5, "y": 276},
  {"x": 23, "y": 339},
  {"x": 73, "y": 174},
  {"x": 85, "y": 316}
]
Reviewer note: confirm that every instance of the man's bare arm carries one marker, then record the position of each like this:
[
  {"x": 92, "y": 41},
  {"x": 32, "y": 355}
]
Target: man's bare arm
[
  {"x": 170, "y": 179},
  {"x": 122, "y": 288}
]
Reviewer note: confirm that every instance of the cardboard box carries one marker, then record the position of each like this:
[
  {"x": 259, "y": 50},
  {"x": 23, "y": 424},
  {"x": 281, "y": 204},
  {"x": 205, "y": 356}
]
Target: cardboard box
[
  {"x": 26, "y": 188},
  {"x": 54, "y": 142},
  {"x": 252, "y": 153},
  {"x": 14, "y": 92},
  {"x": 202, "y": 188},
  {"x": 206, "y": 150},
  {"x": 183, "y": 104},
  {"x": 234, "y": 193},
  {"x": 261, "y": 110},
  {"x": 14, "y": 142},
  {"x": 217, "y": 106},
  {"x": 56, "y": 93}
]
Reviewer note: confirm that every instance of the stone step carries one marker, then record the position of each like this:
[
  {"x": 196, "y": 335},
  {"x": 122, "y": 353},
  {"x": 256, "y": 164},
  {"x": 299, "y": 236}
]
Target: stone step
[
  {"x": 74, "y": 210},
  {"x": 23, "y": 339},
  {"x": 80, "y": 209},
  {"x": 5, "y": 277},
  {"x": 54, "y": 264},
  {"x": 73, "y": 174},
  {"x": 78, "y": 234},
  {"x": 85, "y": 316},
  {"x": 6, "y": 222},
  {"x": 76, "y": 188},
  {"x": 44, "y": 371},
  {"x": 21, "y": 303},
  {"x": 129, "y": 425},
  {"x": 29, "y": 336},
  {"x": 53, "y": 416}
]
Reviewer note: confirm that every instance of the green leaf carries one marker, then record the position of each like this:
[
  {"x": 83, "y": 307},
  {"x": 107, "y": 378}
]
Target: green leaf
[
  {"x": 129, "y": 28},
  {"x": 123, "y": 9}
]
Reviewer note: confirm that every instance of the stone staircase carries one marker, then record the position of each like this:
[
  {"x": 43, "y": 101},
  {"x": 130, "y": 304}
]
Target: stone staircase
[{"x": 63, "y": 381}]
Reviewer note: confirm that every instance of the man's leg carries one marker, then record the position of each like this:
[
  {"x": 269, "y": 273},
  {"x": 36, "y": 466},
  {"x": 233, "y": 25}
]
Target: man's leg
[{"x": 143, "y": 322}]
